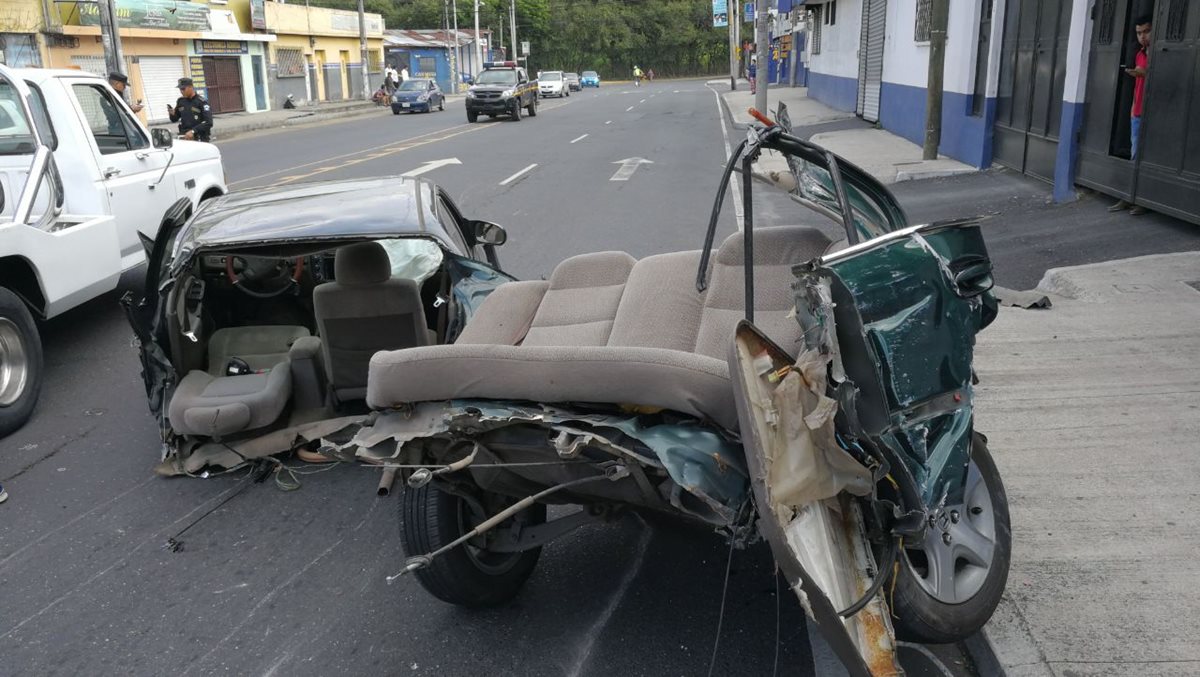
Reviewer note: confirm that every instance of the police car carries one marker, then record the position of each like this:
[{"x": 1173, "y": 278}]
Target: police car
[{"x": 503, "y": 88}]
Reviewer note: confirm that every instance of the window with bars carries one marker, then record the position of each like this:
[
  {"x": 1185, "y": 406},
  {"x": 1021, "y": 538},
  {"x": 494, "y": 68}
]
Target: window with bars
[
  {"x": 1176, "y": 20},
  {"x": 924, "y": 20},
  {"x": 290, "y": 63},
  {"x": 815, "y": 30},
  {"x": 1105, "y": 22},
  {"x": 375, "y": 61},
  {"x": 982, "y": 50},
  {"x": 831, "y": 13}
]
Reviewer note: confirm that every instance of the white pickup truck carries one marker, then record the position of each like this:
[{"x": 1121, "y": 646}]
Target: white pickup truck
[{"x": 82, "y": 181}]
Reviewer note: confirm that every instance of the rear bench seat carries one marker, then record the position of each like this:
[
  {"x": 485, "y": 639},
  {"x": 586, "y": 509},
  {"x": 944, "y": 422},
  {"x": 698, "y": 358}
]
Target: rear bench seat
[{"x": 608, "y": 329}]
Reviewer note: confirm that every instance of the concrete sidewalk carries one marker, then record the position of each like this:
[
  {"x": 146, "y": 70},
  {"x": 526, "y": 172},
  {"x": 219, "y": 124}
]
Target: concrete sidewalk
[
  {"x": 884, "y": 155},
  {"x": 230, "y": 125},
  {"x": 1093, "y": 413}
]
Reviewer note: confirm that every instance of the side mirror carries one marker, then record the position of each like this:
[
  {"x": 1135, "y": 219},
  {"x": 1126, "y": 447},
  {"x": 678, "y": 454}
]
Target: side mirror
[
  {"x": 488, "y": 233},
  {"x": 162, "y": 138}
]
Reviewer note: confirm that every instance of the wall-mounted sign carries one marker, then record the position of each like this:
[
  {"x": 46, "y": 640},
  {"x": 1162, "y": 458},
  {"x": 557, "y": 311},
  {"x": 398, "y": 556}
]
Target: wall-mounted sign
[
  {"x": 162, "y": 14},
  {"x": 258, "y": 15},
  {"x": 524, "y": 48},
  {"x": 749, "y": 12},
  {"x": 720, "y": 13},
  {"x": 220, "y": 47},
  {"x": 196, "y": 73}
]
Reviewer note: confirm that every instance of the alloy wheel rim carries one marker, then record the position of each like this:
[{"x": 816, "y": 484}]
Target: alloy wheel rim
[
  {"x": 954, "y": 560},
  {"x": 14, "y": 363}
]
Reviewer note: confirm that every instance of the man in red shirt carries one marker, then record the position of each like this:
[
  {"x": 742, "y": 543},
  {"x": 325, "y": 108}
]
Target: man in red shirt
[{"x": 1141, "y": 63}]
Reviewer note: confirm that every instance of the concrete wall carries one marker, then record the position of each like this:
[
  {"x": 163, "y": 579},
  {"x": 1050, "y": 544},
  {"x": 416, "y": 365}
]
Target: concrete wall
[
  {"x": 833, "y": 74},
  {"x": 1074, "y": 89},
  {"x": 300, "y": 20},
  {"x": 332, "y": 47}
]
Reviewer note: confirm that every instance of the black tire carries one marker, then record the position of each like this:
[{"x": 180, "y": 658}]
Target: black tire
[
  {"x": 517, "y": 113},
  {"x": 472, "y": 116},
  {"x": 533, "y": 108},
  {"x": 920, "y": 617},
  {"x": 20, "y": 346},
  {"x": 395, "y": 111},
  {"x": 466, "y": 577},
  {"x": 442, "y": 104}
]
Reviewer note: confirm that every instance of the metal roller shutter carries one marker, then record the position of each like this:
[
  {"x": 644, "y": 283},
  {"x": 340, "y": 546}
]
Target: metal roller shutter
[
  {"x": 160, "y": 75},
  {"x": 871, "y": 58},
  {"x": 91, "y": 64}
]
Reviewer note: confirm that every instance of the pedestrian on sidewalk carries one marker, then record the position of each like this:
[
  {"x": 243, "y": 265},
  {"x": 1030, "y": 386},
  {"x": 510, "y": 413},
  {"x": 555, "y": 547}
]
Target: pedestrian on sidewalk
[
  {"x": 404, "y": 75},
  {"x": 753, "y": 72},
  {"x": 650, "y": 75},
  {"x": 192, "y": 113},
  {"x": 1141, "y": 64},
  {"x": 391, "y": 79},
  {"x": 119, "y": 82}
]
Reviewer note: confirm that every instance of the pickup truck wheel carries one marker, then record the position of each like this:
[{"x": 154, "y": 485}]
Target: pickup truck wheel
[
  {"x": 533, "y": 108},
  {"x": 467, "y": 575},
  {"x": 442, "y": 104},
  {"x": 517, "y": 112},
  {"x": 20, "y": 363},
  {"x": 949, "y": 585},
  {"x": 472, "y": 116}
]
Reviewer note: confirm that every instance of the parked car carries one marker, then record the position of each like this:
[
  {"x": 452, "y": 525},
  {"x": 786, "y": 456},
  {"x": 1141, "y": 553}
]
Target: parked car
[
  {"x": 590, "y": 79},
  {"x": 572, "y": 80},
  {"x": 551, "y": 83},
  {"x": 82, "y": 182},
  {"x": 811, "y": 389},
  {"x": 418, "y": 94}
]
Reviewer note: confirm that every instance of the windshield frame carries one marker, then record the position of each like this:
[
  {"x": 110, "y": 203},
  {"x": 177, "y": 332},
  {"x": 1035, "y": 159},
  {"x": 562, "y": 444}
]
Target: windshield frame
[
  {"x": 551, "y": 76},
  {"x": 484, "y": 78},
  {"x": 418, "y": 85},
  {"x": 20, "y": 101}
]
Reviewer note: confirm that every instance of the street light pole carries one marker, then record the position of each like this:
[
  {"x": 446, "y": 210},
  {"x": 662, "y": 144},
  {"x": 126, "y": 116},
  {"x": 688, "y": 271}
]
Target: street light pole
[
  {"x": 732, "y": 20},
  {"x": 512, "y": 25},
  {"x": 454, "y": 58},
  {"x": 762, "y": 40},
  {"x": 365, "y": 55},
  {"x": 110, "y": 35},
  {"x": 478, "y": 48},
  {"x": 939, "y": 17}
]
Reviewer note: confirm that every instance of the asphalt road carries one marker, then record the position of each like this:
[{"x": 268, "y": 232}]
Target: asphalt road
[{"x": 272, "y": 582}]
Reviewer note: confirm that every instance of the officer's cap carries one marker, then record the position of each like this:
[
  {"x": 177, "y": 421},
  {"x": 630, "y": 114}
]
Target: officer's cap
[
  {"x": 185, "y": 82},
  {"x": 118, "y": 77}
]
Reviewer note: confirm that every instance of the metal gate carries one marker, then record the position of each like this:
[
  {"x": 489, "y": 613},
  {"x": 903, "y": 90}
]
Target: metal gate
[
  {"x": 1033, "y": 60},
  {"x": 1166, "y": 175},
  {"x": 223, "y": 77},
  {"x": 870, "y": 58},
  {"x": 160, "y": 84}
]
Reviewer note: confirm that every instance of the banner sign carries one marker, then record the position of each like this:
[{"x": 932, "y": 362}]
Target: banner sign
[
  {"x": 196, "y": 68},
  {"x": 749, "y": 12},
  {"x": 258, "y": 15},
  {"x": 720, "y": 12},
  {"x": 220, "y": 47},
  {"x": 161, "y": 14}
]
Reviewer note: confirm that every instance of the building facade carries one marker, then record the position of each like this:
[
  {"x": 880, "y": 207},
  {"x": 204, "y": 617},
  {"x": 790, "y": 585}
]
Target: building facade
[
  {"x": 429, "y": 53},
  {"x": 1033, "y": 85},
  {"x": 316, "y": 54}
]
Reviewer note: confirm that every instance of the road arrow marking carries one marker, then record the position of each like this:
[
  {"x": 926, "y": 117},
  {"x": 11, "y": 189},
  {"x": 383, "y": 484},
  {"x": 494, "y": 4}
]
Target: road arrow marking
[
  {"x": 518, "y": 175},
  {"x": 580, "y": 138},
  {"x": 432, "y": 165},
  {"x": 628, "y": 166}
]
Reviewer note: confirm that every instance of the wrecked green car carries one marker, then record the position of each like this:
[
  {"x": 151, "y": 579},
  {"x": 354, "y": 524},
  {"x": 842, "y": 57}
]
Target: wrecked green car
[{"x": 812, "y": 391}]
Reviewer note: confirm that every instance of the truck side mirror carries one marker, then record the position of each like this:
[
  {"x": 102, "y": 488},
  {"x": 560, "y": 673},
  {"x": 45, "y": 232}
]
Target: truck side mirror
[
  {"x": 488, "y": 233},
  {"x": 162, "y": 138}
]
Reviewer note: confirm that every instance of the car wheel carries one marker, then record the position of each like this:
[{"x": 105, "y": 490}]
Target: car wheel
[
  {"x": 442, "y": 104},
  {"x": 395, "y": 111},
  {"x": 517, "y": 112},
  {"x": 467, "y": 575},
  {"x": 20, "y": 363},
  {"x": 533, "y": 108},
  {"x": 472, "y": 116},
  {"x": 949, "y": 585}
]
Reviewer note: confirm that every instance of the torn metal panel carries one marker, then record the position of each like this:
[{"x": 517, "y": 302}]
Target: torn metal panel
[
  {"x": 1021, "y": 299},
  {"x": 192, "y": 457}
]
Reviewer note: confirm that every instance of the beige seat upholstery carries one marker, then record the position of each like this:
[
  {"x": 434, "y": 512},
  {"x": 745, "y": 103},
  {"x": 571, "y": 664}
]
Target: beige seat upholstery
[
  {"x": 218, "y": 406},
  {"x": 364, "y": 311},
  {"x": 662, "y": 343},
  {"x": 261, "y": 347}
]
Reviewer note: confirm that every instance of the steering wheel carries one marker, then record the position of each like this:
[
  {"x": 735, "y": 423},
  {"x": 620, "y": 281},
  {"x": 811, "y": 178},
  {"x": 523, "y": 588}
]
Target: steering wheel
[{"x": 258, "y": 270}]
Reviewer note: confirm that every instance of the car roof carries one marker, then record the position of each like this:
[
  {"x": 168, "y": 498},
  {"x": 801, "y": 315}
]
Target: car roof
[{"x": 373, "y": 207}]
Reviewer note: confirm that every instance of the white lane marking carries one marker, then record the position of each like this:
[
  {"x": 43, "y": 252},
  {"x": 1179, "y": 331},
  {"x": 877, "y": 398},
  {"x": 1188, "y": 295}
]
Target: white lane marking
[
  {"x": 629, "y": 109},
  {"x": 518, "y": 175},
  {"x": 642, "y": 101},
  {"x": 738, "y": 214},
  {"x": 675, "y": 92},
  {"x": 608, "y": 122},
  {"x": 579, "y": 139},
  {"x": 432, "y": 165},
  {"x": 628, "y": 166}
]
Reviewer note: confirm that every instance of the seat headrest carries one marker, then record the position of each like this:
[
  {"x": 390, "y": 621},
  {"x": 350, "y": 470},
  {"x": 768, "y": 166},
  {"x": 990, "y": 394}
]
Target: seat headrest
[
  {"x": 598, "y": 269},
  {"x": 775, "y": 246},
  {"x": 362, "y": 263}
]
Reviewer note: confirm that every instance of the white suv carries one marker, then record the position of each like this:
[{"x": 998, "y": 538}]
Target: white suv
[{"x": 552, "y": 83}]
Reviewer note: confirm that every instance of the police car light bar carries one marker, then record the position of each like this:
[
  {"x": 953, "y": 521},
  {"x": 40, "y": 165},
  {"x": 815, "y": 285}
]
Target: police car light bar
[{"x": 499, "y": 64}]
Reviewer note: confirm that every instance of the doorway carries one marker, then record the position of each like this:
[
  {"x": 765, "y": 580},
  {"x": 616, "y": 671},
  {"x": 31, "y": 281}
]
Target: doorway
[
  {"x": 1033, "y": 59},
  {"x": 223, "y": 77},
  {"x": 870, "y": 60}
]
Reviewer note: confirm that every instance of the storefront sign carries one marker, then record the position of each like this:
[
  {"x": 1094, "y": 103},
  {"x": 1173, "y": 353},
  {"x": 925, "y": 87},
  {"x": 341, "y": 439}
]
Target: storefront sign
[
  {"x": 258, "y": 15},
  {"x": 221, "y": 47},
  {"x": 162, "y": 14},
  {"x": 720, "y": 13},
  {"x": 196, "y": 66}
]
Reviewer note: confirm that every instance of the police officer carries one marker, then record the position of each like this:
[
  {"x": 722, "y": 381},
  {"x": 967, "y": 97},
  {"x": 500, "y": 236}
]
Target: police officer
[
  {"x": 120, "y": 83},
  {"x": 192, "y": 112}
]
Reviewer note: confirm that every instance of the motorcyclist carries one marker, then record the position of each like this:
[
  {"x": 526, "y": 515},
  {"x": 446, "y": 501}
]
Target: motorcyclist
[{"x": 637, "y": 76}]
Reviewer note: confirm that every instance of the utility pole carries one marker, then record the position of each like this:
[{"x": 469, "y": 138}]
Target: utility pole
[
  {"x": 449, "y": 54},
  {"x": 512, "y": 26},
  {"x": 763, "y": 43},
  {"x": 478, "y": 48},
  {"x": 939, "y": 17},
  {"x": 365, "y": 56},
  {"x": 454, "y": 55},
  {"x": 500, "y": 44},
  {"x": 110, "y": 35},
  {"x": 732, "y": 22}
]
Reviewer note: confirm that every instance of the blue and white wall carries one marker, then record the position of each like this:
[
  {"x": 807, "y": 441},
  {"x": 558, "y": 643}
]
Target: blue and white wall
[
  {"x": 833, "y": 74},
  {"x": 1074, "y": 89},
  {"x": 965, "y": 137}
]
